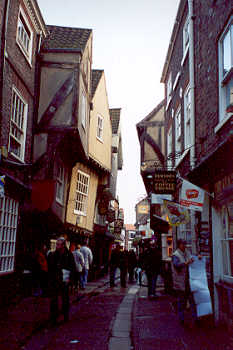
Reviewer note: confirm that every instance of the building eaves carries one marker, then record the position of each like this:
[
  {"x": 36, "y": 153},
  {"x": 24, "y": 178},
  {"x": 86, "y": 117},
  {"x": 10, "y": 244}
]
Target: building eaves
[
  {"x": 66, "y": 39},
  {"x": 96, "y": 75},
  {"x": 152, "y": 113},
  {"x": 115, "y": 119},
  {"x": 176, "y": 26}
]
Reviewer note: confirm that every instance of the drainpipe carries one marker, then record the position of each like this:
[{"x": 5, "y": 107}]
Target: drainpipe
[
  {"x": 192, "y": 82},
  {"x": 2, "y": 55}
]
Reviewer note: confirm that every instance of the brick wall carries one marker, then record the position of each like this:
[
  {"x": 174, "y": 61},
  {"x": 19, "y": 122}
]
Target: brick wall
[{"x": 209, "y": 23}]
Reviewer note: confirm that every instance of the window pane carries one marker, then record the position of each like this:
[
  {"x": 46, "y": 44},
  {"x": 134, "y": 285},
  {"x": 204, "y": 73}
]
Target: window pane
[{"x": 226, "y": 53}]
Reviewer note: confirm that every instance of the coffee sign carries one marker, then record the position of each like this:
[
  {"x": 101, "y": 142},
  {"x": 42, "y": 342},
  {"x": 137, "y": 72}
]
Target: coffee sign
[{"x": 164, "y": 182}]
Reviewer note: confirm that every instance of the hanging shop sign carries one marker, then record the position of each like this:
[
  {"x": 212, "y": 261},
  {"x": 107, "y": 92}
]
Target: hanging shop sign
[
  {"x": 192, "y": 196},
  {"x": 177, "y": 214},
  {"x": 118, "y": 225},
  {"x": 143, "y": 209},
  {"x": 164, "y": 182}
]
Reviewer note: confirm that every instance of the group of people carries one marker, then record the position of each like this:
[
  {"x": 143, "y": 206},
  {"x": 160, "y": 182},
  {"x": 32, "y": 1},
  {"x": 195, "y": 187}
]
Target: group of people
[
  {"x": 60, "y": 269},
  {"x": 63, "y": 267},
  {"x": 149, "y": 261}
]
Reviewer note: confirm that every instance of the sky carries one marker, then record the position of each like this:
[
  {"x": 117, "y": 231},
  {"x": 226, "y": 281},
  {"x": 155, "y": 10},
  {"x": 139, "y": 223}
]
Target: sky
[{"x": 130, "y": 43}]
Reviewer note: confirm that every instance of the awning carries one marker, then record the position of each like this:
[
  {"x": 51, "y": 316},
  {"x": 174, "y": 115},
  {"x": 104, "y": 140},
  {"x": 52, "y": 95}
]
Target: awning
[{"x": 158, "y": 224}]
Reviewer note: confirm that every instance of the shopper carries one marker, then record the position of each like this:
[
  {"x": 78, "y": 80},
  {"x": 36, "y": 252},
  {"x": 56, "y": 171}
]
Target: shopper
[
  {"x": 79, "y": 262},
  {"x": 61, "y": 270},
  {"x": 181, "y": 259},
  {"x": 132, "y": 263},
  {"x": 88, "y": 259},
  {"x": 152, "y": 266}
]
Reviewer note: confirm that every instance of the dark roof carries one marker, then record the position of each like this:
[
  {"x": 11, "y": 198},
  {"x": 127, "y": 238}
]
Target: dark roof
[
  {"x": 66, "y": 38},
  {"x": 95, "y": 78},
  {"x": 115, "y": 119}
]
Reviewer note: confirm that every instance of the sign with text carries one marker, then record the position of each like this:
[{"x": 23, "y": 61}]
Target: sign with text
[
  {"x": 192, "y": 196},
  {"x": 164, "y": 182}
]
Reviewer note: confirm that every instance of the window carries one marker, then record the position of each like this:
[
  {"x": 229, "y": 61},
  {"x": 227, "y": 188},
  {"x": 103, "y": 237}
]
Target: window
[
  {"x": 84, "y": 110},
  {"x": 227, "y": 239},
  {"x": 81, "y": 193},
  {"x": 60, "y": 184},
  {"x": 178, "y": 135},
  {"x": 8, "y": 226},
  {"x": 186, "y": 37},
  {"x": 187, "y": 117},
  {"x": 100, "y": 128},
  {"x": 169, "y": 89},
  {"x": 226, "y": 71},
  {"x": 24, "y": 35},
  {"x": 18, "y": 126},
  {"x": 169, "y": 148}
]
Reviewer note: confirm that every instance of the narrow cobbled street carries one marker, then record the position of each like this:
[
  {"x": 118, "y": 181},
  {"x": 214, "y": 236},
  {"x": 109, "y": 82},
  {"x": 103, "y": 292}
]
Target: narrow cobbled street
[{"x": 109, "y": 319}]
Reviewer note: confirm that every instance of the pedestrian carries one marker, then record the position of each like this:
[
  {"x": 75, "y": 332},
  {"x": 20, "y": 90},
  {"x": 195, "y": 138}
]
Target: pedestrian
[
  {"x": 132, "y": 263},
  {"x": 88, "y": 259},
  {"x": 61, "y": 270},
  {"x": 151, "y": 264},
  {"x": 123, "y": 265},
  {"x": 181, "y": 259},
  {"x": 114, "y": 264},
  {"x": 41, "y": 258},
  {"x": 139, "y": 266},
  {"x": 79, "y": 262}
]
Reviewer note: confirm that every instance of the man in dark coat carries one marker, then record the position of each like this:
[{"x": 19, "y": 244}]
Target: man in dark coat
[
  {"x": 152, "y": 266},
  {"x": 61, "y": 272},
  {"x": 118, "y": 260},
  {"x": 132, "y": 263}
]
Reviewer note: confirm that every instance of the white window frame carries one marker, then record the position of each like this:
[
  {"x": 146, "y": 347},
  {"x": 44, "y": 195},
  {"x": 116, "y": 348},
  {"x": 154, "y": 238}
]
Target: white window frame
[
  {"x": 100, "y": 128},
  {"x": 60, "y": 183},
  {"x": 18, "y": 124},
  {"x": 187, "y": 118},
  {"x": 186, "y": 38},
  {"x": 24, "y": 35},
  {"x": 177, "y": 135},
  {"x": 225, "y": 76},
  {"x": 226, "y": 238},
  {"x": 169, "y": 147},
  {"x": 82, "y": 190},
  {"x": 84, "y": 109},
  {"x": 169, "y": 89},
  {"x": 9, "y": 209}
]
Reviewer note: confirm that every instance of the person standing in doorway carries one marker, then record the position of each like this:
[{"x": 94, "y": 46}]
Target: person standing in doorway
[
  {"x": 88, "y": 259},
  {"x": 181, "y": 259},
  {"x": 61, "y": 271}
]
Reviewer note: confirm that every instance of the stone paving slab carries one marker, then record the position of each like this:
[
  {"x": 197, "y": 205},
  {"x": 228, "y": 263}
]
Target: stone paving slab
[{"x": 119, "y": 344}]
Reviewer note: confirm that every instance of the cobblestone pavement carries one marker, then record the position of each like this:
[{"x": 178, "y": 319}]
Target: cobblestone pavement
[
  {"x": 155, "y": 327},
  {"x": 108, "y": 319}
]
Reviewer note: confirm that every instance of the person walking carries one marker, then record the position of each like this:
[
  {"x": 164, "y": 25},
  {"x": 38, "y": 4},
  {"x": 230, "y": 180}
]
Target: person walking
[
  {"x": 181, "y": 259},
  {"x": 41, "y": 258},
  {"x": 123, "y": 265},
  {"x": 79, "y": 262},
  {"x": 88, "y": 259},
  {"x": 152, "y": 266},
  {"x": 114, "y": 263},
  {"x": 61, "y": 270},
  {"x": 132, "y": 263}
]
